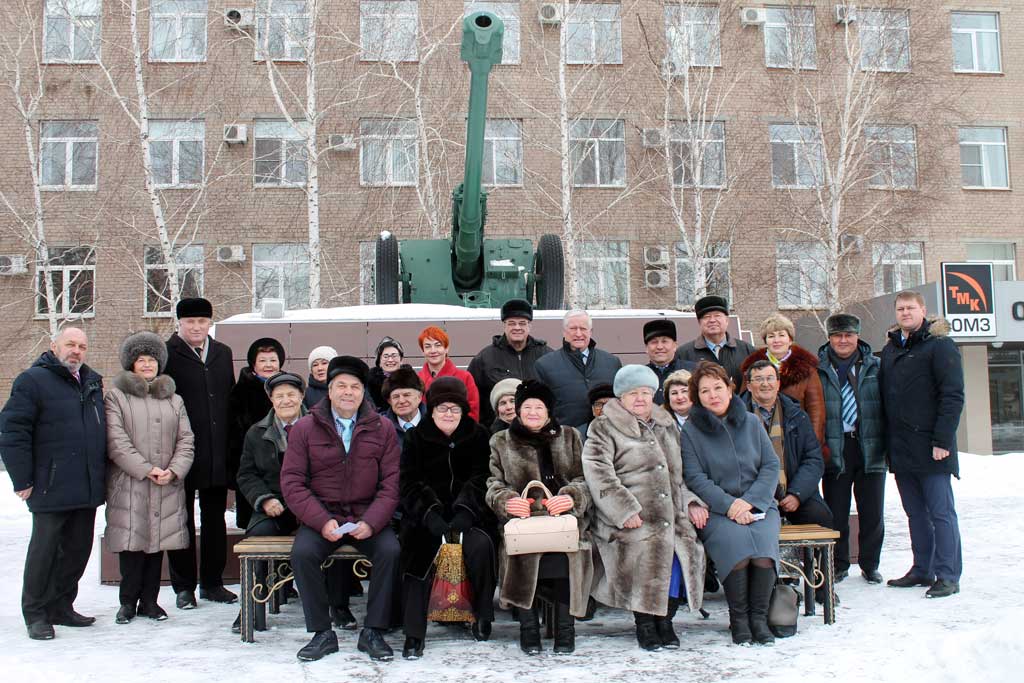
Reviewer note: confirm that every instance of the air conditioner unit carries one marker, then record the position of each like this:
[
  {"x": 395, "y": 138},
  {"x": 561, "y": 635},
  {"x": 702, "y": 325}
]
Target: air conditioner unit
[
  {"x": 235, "y": 134},
  {"x": 12, "y": 265},
  {"x": 549, "y": 13},
  {"x": 851, "y": 244},
  {"x": 341, "y": 143},
  {"x": 657, "y": 279},
  {"x": 753, "y": 16},
  {"x": 845, "y": 14},
  {"x": 233, "y": 253},
  {"x": 239, "y": 18},
  {"x": 273, "y": 308},
  {"x": 656, "y": 256},
  {"x": 653, "y": 138}
]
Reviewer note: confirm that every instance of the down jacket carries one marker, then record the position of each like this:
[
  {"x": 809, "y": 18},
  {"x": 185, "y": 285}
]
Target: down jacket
[
  {"x": 870, "y": 417},
  {"x": 498, "y": 361},
  {"x": 798, "y": 379},
  {"x": 147, "y": 427}
]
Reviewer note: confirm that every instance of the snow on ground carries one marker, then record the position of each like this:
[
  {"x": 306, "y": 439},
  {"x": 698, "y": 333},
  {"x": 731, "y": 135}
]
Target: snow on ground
[{"x": 881, "y": 634}]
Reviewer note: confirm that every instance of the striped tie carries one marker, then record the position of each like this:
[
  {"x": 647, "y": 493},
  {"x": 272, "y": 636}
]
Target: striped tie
[{"x": 849, "y": 407}]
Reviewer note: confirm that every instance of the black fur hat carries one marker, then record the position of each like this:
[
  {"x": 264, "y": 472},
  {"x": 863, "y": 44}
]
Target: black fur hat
[
  {"x": 661, "y": 327},
  {"x": 265, "y": 342},
  {"x": 348, "y": 365},
  {"x": 447, "y": 390},
  {"x": 516, "y": 308},
  {"x": 533, "y": 388},
  {"x": 194, "y": 308},
  {"x": 402, "y": 378},
  {"x": 142, "y": 344}
]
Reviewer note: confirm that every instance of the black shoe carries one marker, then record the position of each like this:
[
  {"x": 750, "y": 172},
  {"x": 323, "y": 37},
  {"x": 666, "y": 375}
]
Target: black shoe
[
  {"x": 843, "y": 573},
  {"x": 152, "y": 611},
  {"x": 236, "y": 625},
  {"x": 372, "y": 643},
  {"x": 413, "y": 648},
  {"x": 40, "y": 630},
  {"x": 125, "y": 614},
  {"x": 185, "y": 599},
  {"x": 737, "y": 592},
  {"x": 663, "y": 625},
  {"x": 565, "y": 631},
  {"x": 909, "y": 581},
  {"x": 343, "y": 618},
  {"x": 72, "y": 618},
  {"x": 218, "y": 594},
  {"x": 943, "y": 589},
  {"x": 322, "y": 644},
  {"x": 871, "y": 575},
  {"x": 762, "y": 583},
  {"x": 529, "y": 632},
  {"x": 646, "y": 632},
  {"x": 591, "y": 610},
  {"x": 481, "y": 630}
]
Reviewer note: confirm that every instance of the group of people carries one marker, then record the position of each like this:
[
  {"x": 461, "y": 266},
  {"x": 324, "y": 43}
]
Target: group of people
[{"x": 678, "y": 473}]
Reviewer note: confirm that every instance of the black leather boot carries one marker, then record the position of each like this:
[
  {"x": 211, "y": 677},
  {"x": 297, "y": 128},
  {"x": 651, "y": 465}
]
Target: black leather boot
[
  {"x": 647, "y": 632},
  {"x": 529, "y": 632},
  {"x": 663, "y": 625},
  {"x": 736, "y": 594},
  {"x": 762, "y": 583},
  {"x": 565, "y": 631}
]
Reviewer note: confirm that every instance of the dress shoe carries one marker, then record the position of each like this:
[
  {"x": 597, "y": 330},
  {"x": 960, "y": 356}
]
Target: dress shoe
[
  {"x": 481, "y": 630},
  {"x": 322, "y": 644},
  {"x": 909, "y": 581},
  {"x": 372, "y": 643},
  {"x": 236, "y": 625},
  {"x": 152, "y": 611},
  {"x": 344, "y": 619},
  {"x": 871, "y": 575},
  {"x": 125, "y": 614},
  {"x": 40, "y": 630},
  {"x": 218, "y": 594},
  {"x": 943, "y": 589},
  {"x": 413, "y": 648},
  {"x": 185, "y": 599},
  {"x": 72, "y": 618}
]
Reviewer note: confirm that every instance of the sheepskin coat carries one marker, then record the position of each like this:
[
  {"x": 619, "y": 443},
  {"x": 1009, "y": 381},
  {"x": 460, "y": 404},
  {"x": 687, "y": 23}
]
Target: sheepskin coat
[
  {"x": 147, "y": 427},
  {"x": 635, "y": 468},
  {"x": 513, "y": 465},
  {"x": 798, "y": 379}
]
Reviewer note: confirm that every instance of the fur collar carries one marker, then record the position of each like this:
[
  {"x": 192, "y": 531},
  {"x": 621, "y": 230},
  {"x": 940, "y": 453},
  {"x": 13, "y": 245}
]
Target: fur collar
[
  {"x": 625, "y": 422},
  {"x": 704, "y": 420},
  {"x": 933, "y": 326},
  {"x": 800, "y": 365},
  {"x": 536, "y": 439},
  {"x": 162, "y": 387}
]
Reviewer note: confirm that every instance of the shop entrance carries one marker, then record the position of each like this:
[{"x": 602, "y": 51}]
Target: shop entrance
[{"x": 1006, "y": 389}]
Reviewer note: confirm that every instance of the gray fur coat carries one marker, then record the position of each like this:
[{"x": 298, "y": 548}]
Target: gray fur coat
[{"x": 634, "y": 468}]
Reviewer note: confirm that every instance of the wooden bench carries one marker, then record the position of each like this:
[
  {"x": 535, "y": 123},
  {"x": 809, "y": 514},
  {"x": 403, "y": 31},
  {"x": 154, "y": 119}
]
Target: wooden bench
[
  {"x": 806, "y": 539},
  {"x": 277, "y": 552}
]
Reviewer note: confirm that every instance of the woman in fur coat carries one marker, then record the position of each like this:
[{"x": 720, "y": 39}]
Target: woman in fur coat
[{"x": 149, "y": 445}]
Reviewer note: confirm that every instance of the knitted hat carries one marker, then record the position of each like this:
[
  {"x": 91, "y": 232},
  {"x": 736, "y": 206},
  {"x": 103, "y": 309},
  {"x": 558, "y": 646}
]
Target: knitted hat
[
  {"x": 348, "y": 365},
  {"x": 284, "y": 378},
  {"x": 707, "y": 304},
  {"x": 142, "y": 344},
  {"x": 503, "y": 388},
  {"x": 447, "y": 390},
  {"x": 516, "y": 308},
  {"x": 402, "y": 378},
  {"x": 842, "y": 322},
  {"x": 321, "y": 353},
  {"x": 533, "y": 388},
  {"x": 599, "y": 391},
  {"x": 661, "y": 327},
  {"x": 265, "y": 342},
  {"x": 194, "y": 308},
  {"x": 631, "y": 377},
  {"x": 385, "y": 343}
]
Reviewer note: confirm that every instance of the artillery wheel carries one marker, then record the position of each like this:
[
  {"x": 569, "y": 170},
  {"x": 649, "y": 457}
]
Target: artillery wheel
[
  {"x": 386, "y": 273},
  {"x": 549, "y": 268}
]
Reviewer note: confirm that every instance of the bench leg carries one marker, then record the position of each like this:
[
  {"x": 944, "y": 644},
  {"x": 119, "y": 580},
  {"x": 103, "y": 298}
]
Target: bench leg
[
  {"x": 830, "y": 584},
  {"x": 809, "y": 606},
  {"x": 247, "y": 601},
  {"x": 272, "y": 578}
]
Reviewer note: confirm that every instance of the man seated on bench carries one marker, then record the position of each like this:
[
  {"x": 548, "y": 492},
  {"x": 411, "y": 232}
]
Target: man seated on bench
[{"x": 340, "y": 474}]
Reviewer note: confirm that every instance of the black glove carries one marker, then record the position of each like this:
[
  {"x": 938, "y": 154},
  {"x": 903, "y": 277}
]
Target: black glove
[
  {"x": 435, "y": 523},
  {"x": 462, "y": 521}
]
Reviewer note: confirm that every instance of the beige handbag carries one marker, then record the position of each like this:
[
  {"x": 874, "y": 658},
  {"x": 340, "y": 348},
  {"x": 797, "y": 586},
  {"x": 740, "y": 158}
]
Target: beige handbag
[{"x": 541, "y": 533}]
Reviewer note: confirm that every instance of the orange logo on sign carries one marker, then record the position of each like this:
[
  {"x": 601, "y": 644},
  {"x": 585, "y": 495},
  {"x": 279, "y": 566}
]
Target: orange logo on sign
[{"x": 976, "y": 299}]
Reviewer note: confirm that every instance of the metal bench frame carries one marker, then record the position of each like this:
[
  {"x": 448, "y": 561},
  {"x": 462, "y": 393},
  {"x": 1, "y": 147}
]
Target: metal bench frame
[{"x": 808, "y": 539}]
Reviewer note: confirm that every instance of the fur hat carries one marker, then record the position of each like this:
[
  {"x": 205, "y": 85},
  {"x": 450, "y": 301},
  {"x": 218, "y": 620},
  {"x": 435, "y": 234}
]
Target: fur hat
[
  {"x": 842, "y": 322},
  {"x": 281, "y": 378},
  {"x": 385, "y": 343},
  {"x": 516, "y": 308},
  {"x": 662, "y": 327},
  {"x": 631, "y": 377},
  {"x": 321, "y": 353},
  {"x": 265, "y": 342},
  {"x": 142, "y": 344},
  {"x": 599, "y": 391},
  {"x": 402, "y": 378},
  {"x": 533, "y": 388},
  {"x": 503, "y": 388},
  {"x": 706, "y": 304},
  {"x": 348, "y": 365},
  {"x": 447, "y": 390},
  {"x": 194, "y": 308}
]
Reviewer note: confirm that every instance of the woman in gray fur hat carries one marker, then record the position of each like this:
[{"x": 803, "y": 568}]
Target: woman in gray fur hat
[{"x": 149, "y": 445}]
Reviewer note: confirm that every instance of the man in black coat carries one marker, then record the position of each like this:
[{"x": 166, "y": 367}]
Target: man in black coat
[
  {"x": 201, "y": 368},
  {"x": 715, "y": 343},
  {"x": 53, "y": 439},
  {"x": 922, "y": 383},
  {"x": 511, "y": 355},
  {"x": 660, "y": 341}
]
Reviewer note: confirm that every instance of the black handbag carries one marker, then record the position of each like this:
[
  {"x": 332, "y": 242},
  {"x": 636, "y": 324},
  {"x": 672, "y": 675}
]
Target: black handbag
[{"x": 783, "y": 610}]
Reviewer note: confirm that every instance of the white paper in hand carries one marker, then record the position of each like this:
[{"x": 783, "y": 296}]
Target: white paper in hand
[{"x": 346, "y": 528}]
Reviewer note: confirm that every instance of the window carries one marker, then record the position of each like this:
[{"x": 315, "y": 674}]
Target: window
[
  {"x": 367, "y": 273},
  {"x": 789, "y": 40},
  {"x": 698, "y": 151},
  {"x": 892, "y": 157},
  {"x": 387, "y": 30},
  {"x": 280, "y": 153},
  {"x": 693, "y": 36},
  {"x": 189, "y": 261},
  {"x": 797, "y": 157},
  {"x": 1000, "y": 254},
  {"x": 598, "y": 152},
  {"x": 983, "y": 158},
  {"x": 280, "y": 271},
  {"x": 800, "y": 274},
  {"x": 976, "y": 42},
  {"x": 282, "y": 29},
  {"x": 72, "y": 270},
  {"x": 603, "y": 270},
  {"x": 176, "y": 151},
  {"x": 716, "y": 273},
  {"x": 71, "y": 32},
  {"x": 508, "y": 12},
  {"x": 177, "y": 30},
  {"x": 503, "y": 152},
  {"x": 884, "y": 39},
  {"x": 898, "y": 266},
  {"x": 593, "y": 34},
  {"x": 388, "y": 153},
  {"x": 68, "y": 151}
]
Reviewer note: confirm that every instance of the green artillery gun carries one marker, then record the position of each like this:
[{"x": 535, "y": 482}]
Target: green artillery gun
[{"x": 468, "y": 270}]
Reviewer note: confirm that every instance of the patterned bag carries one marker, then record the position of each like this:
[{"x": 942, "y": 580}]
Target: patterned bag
[{"x": 450, "y": 594}]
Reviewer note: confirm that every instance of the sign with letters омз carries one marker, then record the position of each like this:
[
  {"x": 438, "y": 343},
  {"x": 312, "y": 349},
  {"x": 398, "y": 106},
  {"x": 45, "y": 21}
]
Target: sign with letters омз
[{"x": 968, "y": 298}]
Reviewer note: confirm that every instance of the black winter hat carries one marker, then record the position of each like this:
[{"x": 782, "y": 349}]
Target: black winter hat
[
  {"x": 447, "y": 390},
  {"x": 194, "y": 308},
  {"x": 280, "y": 378},
  {"x": 402, "y": 378},
  {"x": 708, "y": 304},
  {"x": 533, "y": 388},
  {"x": 662, "y": 327},
  {"x": 142, "y": 344},
  {"x": 599, "y": 391},
  {"x": 842, "y": 322},
  {"x": 385, "y": 343},
  {"x": 348, "y": 365},
  {"x": 516, "y": 308},
  {"x": 264, "y": 342}
]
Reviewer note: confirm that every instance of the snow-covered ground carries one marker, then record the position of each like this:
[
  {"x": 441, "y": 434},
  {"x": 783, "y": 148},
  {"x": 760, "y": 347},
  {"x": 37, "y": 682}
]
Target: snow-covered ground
[{"x": 881, "y": 634}]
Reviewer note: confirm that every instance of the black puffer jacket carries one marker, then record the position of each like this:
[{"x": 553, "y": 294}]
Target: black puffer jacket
[
  {"x": 315, "y": 392},
  {"x": 500, "y": 361},
  {"x": 375, "y": 385}
]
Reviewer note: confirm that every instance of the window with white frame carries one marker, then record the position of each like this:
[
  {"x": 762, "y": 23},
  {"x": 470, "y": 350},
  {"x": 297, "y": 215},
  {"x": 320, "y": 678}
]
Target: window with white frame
[
  {"x": 367, "y": 273},
  {"x": 176, "y": 152},
  {"x": 280, "y": 153},
  {"x": 800, "y": 274},
  {"x": 593, "y": 33},
  {"x": 698, "y": 153},
  {"x": 1001, "y": 255},
  {"x": 503, "y": 152},
  {"x": 983, "y": 158},
  {"x": 693, "y": 35},
  {"x": 884, "y": 39},
  {"x": 67, "y": 155},
  {"x": 892, "y": 157},
  {"x": 71, "y": 31},
  {"x": 716, "y": 273},
  {"x": 177, "y": 30},
  {"x": 280, "y": 271},
  {"x": 388, "y": 152},
  {"x": 189, "y": 264},
  {"x": 897, "y": 266},
  {"x": 598, "y": 152},
  {"x": 72, "y": 270},
  {"x": 387, "y": 30},
  {"x": 282, "y": 29},
  {"x": 508, "y": 12},
  {"x": 797, "y": 156},
  {"x": 789, "y": 38},
  {"x": 976, "y": 42},
  {"x": 603, "y": 272}
]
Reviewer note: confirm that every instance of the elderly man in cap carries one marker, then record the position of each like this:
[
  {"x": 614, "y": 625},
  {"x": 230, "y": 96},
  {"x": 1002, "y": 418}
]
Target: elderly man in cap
[
  {"x": 715, "y": 343},
  {"x": 660, "y": 340},
  {"x": 202, "y": 370},
  {"x": 510, "y": 355},
  {"x": 340, "y": 480}
]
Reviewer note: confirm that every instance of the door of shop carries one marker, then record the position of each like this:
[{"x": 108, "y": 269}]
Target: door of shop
[{"x": 1006, "y": 391}]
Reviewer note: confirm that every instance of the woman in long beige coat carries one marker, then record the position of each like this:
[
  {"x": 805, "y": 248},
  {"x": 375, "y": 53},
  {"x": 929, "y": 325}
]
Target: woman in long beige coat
[{"x": 149, "y": 445}]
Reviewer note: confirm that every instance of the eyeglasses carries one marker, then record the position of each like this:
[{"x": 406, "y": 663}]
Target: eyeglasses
[
  {"x": 389, "y": 356},
  {"x": 763, "y": 380},
  {"x": 517, "y": 323},
  {"x": 444, "y": 410}
]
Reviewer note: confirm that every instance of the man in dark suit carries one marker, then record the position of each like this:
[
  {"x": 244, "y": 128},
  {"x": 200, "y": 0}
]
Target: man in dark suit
[{"x": 715, "y": 343}]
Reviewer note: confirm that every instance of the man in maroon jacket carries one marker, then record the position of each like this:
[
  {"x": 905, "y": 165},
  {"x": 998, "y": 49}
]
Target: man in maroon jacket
[{"x": 341, "y": 468}]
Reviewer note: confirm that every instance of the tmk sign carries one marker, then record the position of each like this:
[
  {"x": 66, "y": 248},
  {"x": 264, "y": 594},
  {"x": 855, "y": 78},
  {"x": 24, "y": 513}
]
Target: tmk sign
[{"x": 968, "y": 299}]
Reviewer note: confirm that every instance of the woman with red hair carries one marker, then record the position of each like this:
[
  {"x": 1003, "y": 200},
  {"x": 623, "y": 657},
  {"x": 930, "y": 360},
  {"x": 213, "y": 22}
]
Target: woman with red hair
[{"x": 434, "y": 343}]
